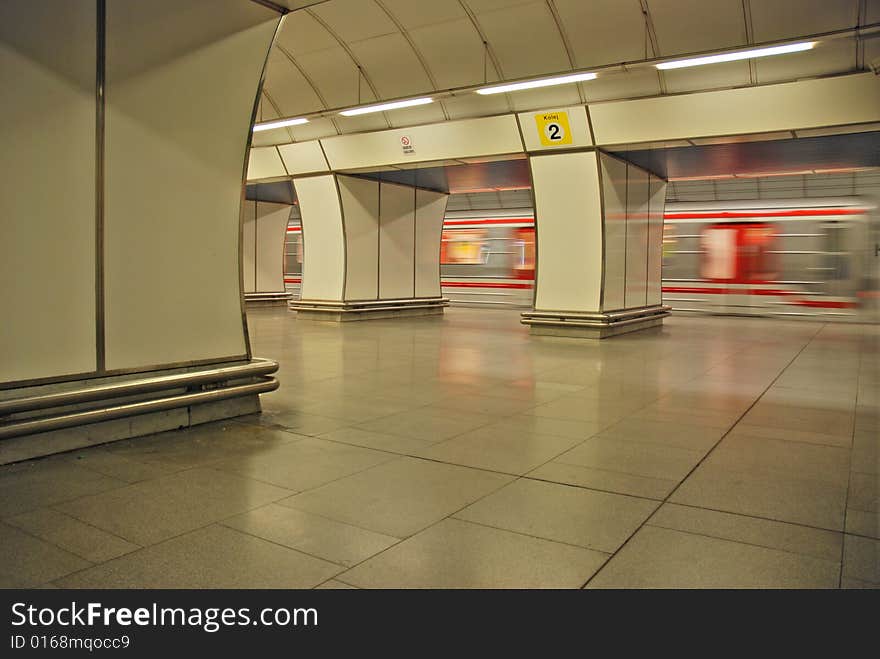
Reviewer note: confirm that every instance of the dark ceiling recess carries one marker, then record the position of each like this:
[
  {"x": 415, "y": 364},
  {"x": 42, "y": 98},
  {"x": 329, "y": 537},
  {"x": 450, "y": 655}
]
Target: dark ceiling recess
[
  {"x": 755, "y": 158},
  {"x": 457, "y": 179},
  {"x": 280, "y": 192}
]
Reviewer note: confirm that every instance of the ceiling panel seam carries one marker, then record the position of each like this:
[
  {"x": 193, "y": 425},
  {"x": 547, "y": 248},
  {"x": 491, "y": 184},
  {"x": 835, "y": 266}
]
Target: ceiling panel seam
[
  {"x": 277, "y": 111},
  {"x": 750, "y": 38},
  {"x": 554, "y": 11},
  {"x": 489, "y": 51},
  {"x": 652, "y": 38},
  {"x": 415, "y": 50},
  {"x": 861, "y": 19},
  {"x": 360, "y": 68},
  {"x": 310, "y": 82}
]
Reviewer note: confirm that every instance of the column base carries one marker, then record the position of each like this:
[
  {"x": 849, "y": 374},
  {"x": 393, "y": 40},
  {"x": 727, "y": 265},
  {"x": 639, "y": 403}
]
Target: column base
[
  {"x": 63, "y": 417},
  {"x": 340, "y": 312},
  {"x": 275, "y": 299},
  {"x": 593, "y": 325}
]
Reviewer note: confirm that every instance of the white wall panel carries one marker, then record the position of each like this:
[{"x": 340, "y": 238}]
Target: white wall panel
[
  {"x": 637, "y": 197},
  {"x": 47, "y": 191},
  {"x": 360, "y": 209},
  {"x": 323, "y": 240},
  {"x": 789, "y": 106},
  {"x": 568, "y": 217},
  {"x": 173, "y": 191},
  {"x": 430, "y": 209},
  {"x": 396, "y": 241},
  {"x": 454, "y": 139},
  {"x": 614, "y": 196},
  {"x": 271, "y": 228},
  {"x": 249, "y": 247},
  {"x": 655, "y": 239},
  {"x": 303, "y": 157},
  {"x": 264, "y": 162}
]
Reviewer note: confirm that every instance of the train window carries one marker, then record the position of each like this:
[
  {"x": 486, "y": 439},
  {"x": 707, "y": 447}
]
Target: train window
[
  {"x": 524, "y": 264},
  {"x": 466, "y": 246},
  {"x": 837, "y": 257},
  {"x": 738, "y": 252}
]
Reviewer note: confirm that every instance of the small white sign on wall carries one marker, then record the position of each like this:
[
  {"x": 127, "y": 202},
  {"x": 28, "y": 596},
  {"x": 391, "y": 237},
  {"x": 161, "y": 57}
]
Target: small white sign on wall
[{"x": 406, "y": 144}]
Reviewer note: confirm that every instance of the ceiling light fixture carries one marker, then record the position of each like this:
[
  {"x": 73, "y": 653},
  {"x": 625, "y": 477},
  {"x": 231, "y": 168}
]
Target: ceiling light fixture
[
  {"x": 532, "y": 84},
  {"x": 367, "y": 109},
  {"x": 279, "y": 124},
  {"x": 742, "y": 54}
]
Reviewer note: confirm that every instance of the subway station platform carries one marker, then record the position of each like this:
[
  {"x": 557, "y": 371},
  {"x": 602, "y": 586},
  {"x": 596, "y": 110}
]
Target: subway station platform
[{"x": 458, "y": 451}]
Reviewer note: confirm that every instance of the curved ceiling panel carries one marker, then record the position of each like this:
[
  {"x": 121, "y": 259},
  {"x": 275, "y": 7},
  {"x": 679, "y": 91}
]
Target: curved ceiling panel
[
  {"x": 721, "y": 22},
  {"x": 415, "y": 47},
  {"x": 525, "y": 39}
]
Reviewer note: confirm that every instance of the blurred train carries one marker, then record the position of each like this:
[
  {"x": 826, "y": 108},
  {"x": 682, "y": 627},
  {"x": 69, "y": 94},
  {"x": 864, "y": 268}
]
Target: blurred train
[{"x": 792, "y": 258}]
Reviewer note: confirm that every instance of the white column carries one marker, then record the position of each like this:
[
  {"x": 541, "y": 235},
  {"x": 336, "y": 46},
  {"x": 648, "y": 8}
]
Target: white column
[
  {"x": 370, "y": 249},
  {"x": 599, "y": 234},
  {"x": 263, "y": 230}
]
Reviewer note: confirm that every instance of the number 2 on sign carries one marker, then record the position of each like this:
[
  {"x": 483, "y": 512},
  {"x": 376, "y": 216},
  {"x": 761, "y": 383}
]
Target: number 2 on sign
[{"x": 553, "y": 128}]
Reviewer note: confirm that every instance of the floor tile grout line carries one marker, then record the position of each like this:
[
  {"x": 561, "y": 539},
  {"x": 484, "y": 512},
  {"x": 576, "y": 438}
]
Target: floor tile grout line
[
  {"x": 528, "y": 535},
  {"x": 741, "y": 542},
  {"x": 702, "y": 460}
]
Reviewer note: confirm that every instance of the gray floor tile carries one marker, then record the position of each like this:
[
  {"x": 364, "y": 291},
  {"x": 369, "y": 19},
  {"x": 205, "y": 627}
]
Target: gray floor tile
[
  {"x": 318, "y": 536},
  {"x": 787, "y": 434},
  {"x": 29, "y": 562},
  {"x": 664, "y": 558},
  {"x": 377, "y": 440},
  {"x": 862, "y": 522},
  {"x": 457, "y": 554},
  {"x": 399, "y": 498},
  {"x": 864, "y": 492},
  {"x": 773, "y": 457},
  {"x": 541, "y": 425},
  {"x": 601, "y": 479},
  {"x": 305, "y": 464},
  {"x": 861, "y": 558},
  {"x": 656, "y": 461},
  {"x": 750, "y": 530},
  {"x": 119, "y": 466},
  {"x": 577, "y": 516},
  {"x": 808, "y": 502},
  {"x": 333, "y": 584},
  {"x": 32, "y": 485},
  {"x": 213, "y": 557},
  {"x": 201, "y": 445},
  {"x": 680, "y": 435},
  {"x": 434, "y": 425},
  {"x": 498, "y": 448},
  {"x": 72, "y": 535},
  {"x": 149, "y": 512}
]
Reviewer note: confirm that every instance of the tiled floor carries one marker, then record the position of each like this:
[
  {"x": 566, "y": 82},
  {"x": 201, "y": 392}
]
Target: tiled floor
[{"x": 460, "y": 452}]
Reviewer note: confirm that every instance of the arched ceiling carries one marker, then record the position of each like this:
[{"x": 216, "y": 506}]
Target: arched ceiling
[{"x": 341, "y": 53}]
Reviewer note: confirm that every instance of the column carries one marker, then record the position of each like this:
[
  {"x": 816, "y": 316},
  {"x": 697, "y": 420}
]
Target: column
[
  {"x": 371, "y": 249},
  {"x": 126, "y": 128},
  {"x": 599, "y": 224},
  {"x": 264, "y": 228}
]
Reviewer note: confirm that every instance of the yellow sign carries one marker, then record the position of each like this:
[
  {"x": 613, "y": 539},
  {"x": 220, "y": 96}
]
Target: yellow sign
[{"x": 553, "y": 128}]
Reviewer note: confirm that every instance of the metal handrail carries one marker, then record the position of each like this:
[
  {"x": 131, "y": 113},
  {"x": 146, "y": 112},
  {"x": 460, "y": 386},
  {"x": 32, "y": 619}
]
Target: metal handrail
[
  {"x": 46, "y": 424},
  {"x": 257, "y": 367}
]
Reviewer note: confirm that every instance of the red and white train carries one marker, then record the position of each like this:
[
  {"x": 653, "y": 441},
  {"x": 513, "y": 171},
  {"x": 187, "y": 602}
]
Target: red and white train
[{"x": 802, "y": 258}]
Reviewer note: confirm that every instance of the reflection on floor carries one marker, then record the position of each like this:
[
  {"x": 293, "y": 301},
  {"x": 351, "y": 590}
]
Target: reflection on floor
[{"x": 460, "y": 452}]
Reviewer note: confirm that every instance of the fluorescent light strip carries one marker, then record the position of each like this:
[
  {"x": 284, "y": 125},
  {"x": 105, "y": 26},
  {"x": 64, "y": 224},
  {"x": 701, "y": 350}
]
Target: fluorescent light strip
[
  {"x": 742, "y": 54},
  {"x": 386, "y": 106},
  {"x": 279, "y": 124},
  {"x": 532, "y": 84}
]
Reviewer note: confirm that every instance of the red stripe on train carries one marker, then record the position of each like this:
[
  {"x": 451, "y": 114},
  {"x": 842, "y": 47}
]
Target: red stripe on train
[
  {"x": 477, "y": 284},
  {"x": 801, "y": 212},
  {"x": 822, "y": 304},
  {"x": 292, "y": 280},
  {"x": 509, "y": 220}
]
